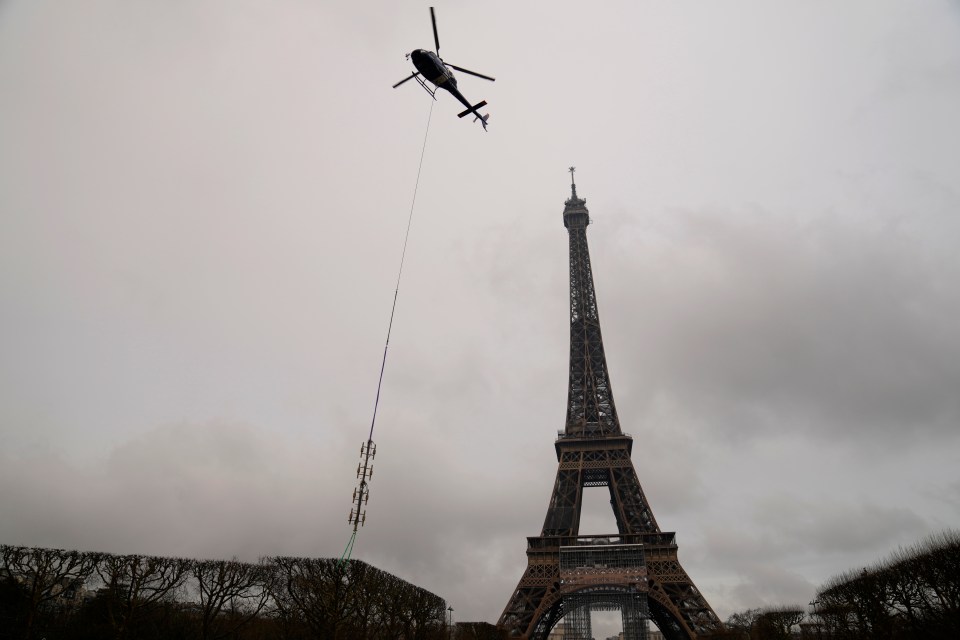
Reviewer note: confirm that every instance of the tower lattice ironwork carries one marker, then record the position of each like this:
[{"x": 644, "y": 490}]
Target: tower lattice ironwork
[{"x": 592, "y": 451}]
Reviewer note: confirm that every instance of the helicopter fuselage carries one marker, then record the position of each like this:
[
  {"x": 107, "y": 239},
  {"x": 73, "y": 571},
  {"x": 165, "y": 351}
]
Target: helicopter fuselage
[{"x": 432, "y": 68}]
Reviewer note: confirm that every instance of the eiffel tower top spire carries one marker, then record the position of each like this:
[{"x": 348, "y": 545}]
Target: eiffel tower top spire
[
  {"x": 590, "y": 408},
  {"x": 573, "y": 184},
  {"x": 575, "y": 207}
]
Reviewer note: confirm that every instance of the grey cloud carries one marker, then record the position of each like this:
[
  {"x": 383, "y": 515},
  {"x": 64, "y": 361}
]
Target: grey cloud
[
  {"x": 760, "y": 320},
  {"x": 783, "y": 525},
  {"x": 837, "y": 526},
  {"x": 210, "y": 490},
  {"x": 790, "y": 546},
  {"x": 769, "y": 585},
  {"x": 948, "y": 495}
]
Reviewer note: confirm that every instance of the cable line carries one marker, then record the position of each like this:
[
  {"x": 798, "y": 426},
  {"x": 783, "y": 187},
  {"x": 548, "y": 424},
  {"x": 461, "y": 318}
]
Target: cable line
[{"x": 368, "y": 450}]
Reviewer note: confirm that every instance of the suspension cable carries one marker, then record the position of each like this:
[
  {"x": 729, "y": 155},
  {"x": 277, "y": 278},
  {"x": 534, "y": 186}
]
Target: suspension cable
[{"x": 368, "y": 449}]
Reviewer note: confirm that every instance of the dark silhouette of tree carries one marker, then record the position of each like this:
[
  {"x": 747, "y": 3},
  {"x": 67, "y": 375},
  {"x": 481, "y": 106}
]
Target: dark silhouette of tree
[
  {"x": 477, "y": 631},
  {"x": 136, "y": 587},
  {"x": 914, "y": 593},
  {"x": 315, "y": 594},
  {"x": 769, "y": 623},
  {"x": 326, "y": 598},
  {"x": 740, "y": 624},
  {"x": 67, "y": 595},
  {"x": 44, "y": 575},
  {"x": 777, "y": 623},
  {"x": 13, "y": 604},
  {"x": 231, "y": 593}
]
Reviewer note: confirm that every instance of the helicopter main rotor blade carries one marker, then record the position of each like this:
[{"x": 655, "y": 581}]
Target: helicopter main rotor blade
[
  {"x": 436, "y": 38},
  {"x": 473, "y": 73},
  {"x": 409, "y": 77}
]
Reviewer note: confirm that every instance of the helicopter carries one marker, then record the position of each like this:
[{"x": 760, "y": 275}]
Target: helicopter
[{"x": 431, "y": 66}]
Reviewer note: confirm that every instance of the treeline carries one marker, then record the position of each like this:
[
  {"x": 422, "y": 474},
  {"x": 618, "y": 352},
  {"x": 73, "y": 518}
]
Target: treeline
[
  {"x": 771, "y": 623},
  {"x": 915, "y": 593},
  {"x": 477, "y": 631},
  {"x": 57, "y": 594}
]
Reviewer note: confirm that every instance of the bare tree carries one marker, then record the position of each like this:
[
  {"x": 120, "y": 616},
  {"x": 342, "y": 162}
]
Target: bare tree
[
  {"x": 315, "y": 593},
  {"x": 367, "y": 609},
  {"x": 777, "y": 623},
  {"x": 914, "y": 593},
  {"x": 45, "y": 574},
  {"x": 740, "y": 624},
  {"x": 352, "y": 600},
  {"x": 231, "y": 593},
  {"x": 478, "y": 631},
  {"x": 136, "y": 584},
  {"x": 936, "y": 564},
  {"x": 428, "y": 613},
  {"x": 153, "y": 597}
]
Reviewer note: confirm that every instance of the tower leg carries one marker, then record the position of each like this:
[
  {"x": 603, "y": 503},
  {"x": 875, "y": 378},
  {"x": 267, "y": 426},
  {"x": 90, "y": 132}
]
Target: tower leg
[
  {"x": 579, "y": 624},
  {"x": 634, "y": 616}
]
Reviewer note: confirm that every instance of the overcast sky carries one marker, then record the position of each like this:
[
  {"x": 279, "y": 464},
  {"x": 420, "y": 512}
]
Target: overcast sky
[{"x": 202, "y": 208}]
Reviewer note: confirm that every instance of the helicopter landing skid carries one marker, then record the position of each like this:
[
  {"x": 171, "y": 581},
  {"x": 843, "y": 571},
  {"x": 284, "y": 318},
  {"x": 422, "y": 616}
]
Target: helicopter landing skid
[{"x": 425, "y": 87}]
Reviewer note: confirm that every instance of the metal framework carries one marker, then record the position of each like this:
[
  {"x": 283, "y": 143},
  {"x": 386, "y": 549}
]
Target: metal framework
[
  {"x": 632, "y": 608},
  {"x": 603, "y": 577},
  {"x": 592, "y": 451}
]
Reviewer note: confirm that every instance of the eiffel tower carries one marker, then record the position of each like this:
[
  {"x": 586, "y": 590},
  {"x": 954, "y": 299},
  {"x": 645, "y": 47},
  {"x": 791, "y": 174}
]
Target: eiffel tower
[{"x": 635, "y": 570}]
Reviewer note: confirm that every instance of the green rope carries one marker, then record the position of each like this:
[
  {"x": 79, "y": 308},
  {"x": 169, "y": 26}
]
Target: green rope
[{"x": 349, "y": 550}]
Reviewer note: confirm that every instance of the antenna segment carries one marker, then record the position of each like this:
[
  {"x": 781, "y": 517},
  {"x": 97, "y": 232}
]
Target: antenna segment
[{"x": 368, "y": 450}]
